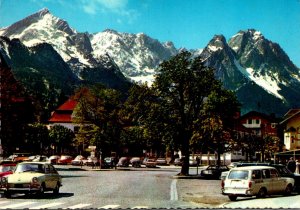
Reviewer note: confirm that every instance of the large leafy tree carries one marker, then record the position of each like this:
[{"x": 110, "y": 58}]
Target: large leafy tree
[
  {"x": 183, "y": 99},
  {"x": 99, "y": 107},
  {"x": 183, "y": 85},
  {"x": 61, "y": 137},
  {"x": 36, "y": 138},
  {"x": 220, "y": 112},
  {"x": 143, "y": 113},
  {"x": 16, "y": 110}
]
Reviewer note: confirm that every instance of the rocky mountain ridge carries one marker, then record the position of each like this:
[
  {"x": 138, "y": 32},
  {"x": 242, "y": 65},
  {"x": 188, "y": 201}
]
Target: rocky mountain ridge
[{"x": 260, "y": 72}]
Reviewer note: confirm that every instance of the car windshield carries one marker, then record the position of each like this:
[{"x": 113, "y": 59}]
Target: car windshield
[
  {"x": 283, "y": 171},
  {"x": 240, "y": 174},
  {"x": 29, "y": 167}
]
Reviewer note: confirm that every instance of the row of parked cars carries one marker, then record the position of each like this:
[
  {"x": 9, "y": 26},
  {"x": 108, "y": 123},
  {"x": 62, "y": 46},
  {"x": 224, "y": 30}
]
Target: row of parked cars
[{"x": 258, "y": 179}]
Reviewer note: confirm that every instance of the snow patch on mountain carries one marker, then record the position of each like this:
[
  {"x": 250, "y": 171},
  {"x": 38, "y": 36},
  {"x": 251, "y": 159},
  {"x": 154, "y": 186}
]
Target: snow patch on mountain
[{"x": 269, "y": 83}]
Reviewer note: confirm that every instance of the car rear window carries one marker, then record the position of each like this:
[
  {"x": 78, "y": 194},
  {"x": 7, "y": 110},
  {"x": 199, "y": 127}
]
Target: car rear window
[{"x": 238, "y": 174}]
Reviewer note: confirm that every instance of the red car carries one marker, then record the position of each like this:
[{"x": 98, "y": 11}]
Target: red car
[
  {"x": 7, "y": 169},
  {"x": 65, "y": 160}
]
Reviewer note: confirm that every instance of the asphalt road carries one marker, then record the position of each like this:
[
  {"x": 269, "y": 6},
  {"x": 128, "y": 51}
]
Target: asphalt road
[
  {"x": 130, "y": 188},
  {"x": 123, "y": 188}
]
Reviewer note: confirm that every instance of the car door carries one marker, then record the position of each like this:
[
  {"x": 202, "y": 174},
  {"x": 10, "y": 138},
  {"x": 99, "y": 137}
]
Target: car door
[
  {"x": 47, "y": 177},
  {"x": 267, "y": 181},
  {"x": 277, "y": 182},
  {"x": 256, "y": 177},
  {"x": 55, "y": 177}
]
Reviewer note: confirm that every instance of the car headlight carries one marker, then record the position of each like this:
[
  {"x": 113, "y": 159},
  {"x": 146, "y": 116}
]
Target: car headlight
[
  {"x": 3, "y": 180},
  {"x": 35, "y": 180}
]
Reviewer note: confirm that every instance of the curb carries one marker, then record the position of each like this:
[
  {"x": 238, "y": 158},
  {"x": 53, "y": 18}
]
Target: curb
[{"x": 187, "y": 177}]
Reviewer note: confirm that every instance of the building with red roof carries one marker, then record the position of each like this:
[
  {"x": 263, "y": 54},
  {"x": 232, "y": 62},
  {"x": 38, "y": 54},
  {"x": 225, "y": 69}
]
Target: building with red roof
[{"x": 63, "y": 115}]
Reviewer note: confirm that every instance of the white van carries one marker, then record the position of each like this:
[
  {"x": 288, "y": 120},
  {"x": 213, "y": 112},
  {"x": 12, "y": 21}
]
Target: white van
[{"x": 255, "y": 181}]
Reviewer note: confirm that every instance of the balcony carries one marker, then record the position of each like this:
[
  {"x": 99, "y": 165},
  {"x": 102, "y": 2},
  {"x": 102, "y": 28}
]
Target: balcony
[{"x": 252, "y": 125}]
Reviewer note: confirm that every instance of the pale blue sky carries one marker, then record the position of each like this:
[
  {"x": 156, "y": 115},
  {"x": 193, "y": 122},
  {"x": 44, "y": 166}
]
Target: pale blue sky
[{"x": 187, "y": 23}]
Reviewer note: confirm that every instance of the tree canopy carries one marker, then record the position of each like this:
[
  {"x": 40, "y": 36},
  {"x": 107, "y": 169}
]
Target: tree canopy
[{"x": 181, "y": 99}]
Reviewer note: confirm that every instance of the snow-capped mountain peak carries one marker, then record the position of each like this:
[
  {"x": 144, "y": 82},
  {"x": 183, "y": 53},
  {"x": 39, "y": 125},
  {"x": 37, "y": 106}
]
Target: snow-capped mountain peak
[
  {"x": 217, "y": 43},
  {"x": 137, "y": 55},
  {"x": 247, "y": 62}
]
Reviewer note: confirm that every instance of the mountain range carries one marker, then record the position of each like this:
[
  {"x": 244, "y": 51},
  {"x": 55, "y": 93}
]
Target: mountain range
[{"x": 44, "y": 50}]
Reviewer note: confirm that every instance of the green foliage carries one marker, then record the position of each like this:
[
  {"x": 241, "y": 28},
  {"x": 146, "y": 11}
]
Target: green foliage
[
  {"x": 99, "y": 107},
  {"x": 36, "y": 138},
  {"x": 61, "y": 137},
  {"x": 174, "y": 111},
  {"x": 220, "y": 111}
]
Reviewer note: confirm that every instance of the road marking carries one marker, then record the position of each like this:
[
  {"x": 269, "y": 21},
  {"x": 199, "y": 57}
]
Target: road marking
[
  {"x": 173, "y": 191},
  {"x": 109, "y": 207},
  {"x": 16, "y": 205},
  {"x": 78, "y": 206},
  {"x": 140, "y": 207},
  {"x": 45, "y": 206}
]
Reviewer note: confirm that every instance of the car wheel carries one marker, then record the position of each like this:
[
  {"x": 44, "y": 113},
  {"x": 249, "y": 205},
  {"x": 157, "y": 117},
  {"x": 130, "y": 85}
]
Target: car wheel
[
  {"x": 232, "y": 197},
  {"x": 262, "y": 193},
  {"x": 56, "y": 189},
  {"x": 288, "y": 190},
  {"x": 42, "y": 189}
]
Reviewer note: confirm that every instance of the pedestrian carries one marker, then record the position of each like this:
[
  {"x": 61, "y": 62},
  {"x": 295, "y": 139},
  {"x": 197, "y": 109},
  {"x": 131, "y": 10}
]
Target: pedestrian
[{"x": 291, "y": 165}]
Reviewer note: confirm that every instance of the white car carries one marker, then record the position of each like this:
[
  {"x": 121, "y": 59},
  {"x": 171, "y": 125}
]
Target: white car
[
  {"x": 31, "y": 177},
  {"x": 255, "y": 181}
]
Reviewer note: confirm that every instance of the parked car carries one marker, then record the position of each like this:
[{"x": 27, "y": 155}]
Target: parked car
[
  {"x": 282, "y": 170},
  {"x": 136, "y": 162},
  {"x": 110, "y": 162},
  {"x": 79, "y": 160},
  {"x": 214, "y": 171},
  {"x": 31, "y": 177},
  {"x": 192, "y": 162},
  {"x": 7, "y": 169},
  {"x": 161, "y": 161},
  {"x": 92, "y": 161},
  {"x": 123, "y": 162},
  {"x": 40, "y": 158},
  {"x": 20, "y": 157},
  {"x": 145, "y": 160},
  {"x": 233, "y": 164},
  {"x": 10, "y": 158},
  {"x": 178, "y": 162},
  {"x": 150, "y": 163},
  {"x": 65, "y": 160},
  {"x": 53, "y": 159},
  {"x": 256, "y": 181},
  {"x": 31, "y": 158}
]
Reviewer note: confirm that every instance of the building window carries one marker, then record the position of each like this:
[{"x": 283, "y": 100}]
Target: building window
[
  {"x": 249, "y": 121},
  {"x": 257, "y": 121}
]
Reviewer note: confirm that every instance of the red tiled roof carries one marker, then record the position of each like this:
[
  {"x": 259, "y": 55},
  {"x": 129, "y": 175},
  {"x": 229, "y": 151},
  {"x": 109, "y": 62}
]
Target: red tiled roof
[
  {"x": 61, "y": 117},
  {"x": 68, "y": 105},
  {"x": 64, "y": 113}
]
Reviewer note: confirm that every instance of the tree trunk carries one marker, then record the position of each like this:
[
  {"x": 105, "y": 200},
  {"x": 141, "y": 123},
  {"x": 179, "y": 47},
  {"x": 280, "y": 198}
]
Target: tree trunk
[{"x": 186, "y": 153}]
